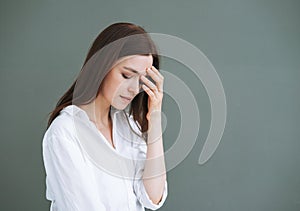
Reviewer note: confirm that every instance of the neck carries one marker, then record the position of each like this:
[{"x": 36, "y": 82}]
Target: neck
[{"x": 98, "y": 112}]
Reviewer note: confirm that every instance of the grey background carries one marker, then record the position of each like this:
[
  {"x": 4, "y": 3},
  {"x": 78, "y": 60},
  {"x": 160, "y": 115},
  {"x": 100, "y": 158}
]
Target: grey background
[{"x": 254, "y": 46}]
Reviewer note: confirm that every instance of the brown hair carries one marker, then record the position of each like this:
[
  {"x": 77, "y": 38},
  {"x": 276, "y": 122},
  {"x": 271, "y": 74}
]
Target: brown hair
[{"x": 114, "y": 42}]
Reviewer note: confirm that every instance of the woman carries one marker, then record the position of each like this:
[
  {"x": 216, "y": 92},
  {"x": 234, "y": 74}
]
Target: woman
[{"x": 97, "y": 155}]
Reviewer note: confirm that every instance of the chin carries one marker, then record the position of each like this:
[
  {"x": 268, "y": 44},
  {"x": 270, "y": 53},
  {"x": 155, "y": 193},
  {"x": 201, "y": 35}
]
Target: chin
[{"x": 120, "y": 106}]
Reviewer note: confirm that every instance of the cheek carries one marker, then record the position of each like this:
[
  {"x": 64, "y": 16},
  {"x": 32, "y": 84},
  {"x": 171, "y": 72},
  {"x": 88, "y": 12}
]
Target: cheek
[
  {"x": 114, "y": 87},
  {"x": 120, "y": 89}
]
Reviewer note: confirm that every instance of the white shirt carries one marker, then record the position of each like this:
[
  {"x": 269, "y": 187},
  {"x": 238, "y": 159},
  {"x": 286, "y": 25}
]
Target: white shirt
[{"x": 85, "y": 173}]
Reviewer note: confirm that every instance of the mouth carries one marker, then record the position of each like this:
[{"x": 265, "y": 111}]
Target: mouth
[{"x": 126, "y": 98}]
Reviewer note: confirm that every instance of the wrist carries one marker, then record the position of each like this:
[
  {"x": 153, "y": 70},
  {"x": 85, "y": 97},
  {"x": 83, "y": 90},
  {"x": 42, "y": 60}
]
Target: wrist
[{"x": 154, "y": 114}]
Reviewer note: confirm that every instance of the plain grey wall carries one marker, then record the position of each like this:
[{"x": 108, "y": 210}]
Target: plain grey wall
[{"x": 254, "y": 46}]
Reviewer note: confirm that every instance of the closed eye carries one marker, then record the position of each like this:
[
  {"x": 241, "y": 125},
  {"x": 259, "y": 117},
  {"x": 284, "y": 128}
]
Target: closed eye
[{"x": 125, "y": 76}]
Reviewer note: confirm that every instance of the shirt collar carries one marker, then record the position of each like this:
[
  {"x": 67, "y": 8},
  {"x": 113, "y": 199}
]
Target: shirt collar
[{"x": 74, "y": 110}]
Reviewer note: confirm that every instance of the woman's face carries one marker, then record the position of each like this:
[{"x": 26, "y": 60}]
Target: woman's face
[{"x": 122, "y": 83}]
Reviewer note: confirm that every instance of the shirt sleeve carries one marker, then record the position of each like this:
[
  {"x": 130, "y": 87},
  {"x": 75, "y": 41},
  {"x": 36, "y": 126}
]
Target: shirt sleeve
[
  {"x": 70, "y": 184},
  {"x": 140, "y": 189}
]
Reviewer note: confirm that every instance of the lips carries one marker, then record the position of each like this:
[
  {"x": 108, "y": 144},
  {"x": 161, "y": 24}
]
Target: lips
[{"x": 127, "y": 98}]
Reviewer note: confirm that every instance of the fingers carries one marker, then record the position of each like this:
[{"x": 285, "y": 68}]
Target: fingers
[
  {"x": 156, "y": 72},
  {"x": 148, "y": 91},
  {"x": 156, "y": 76},
  {"x": 160, "y": 79},
  {"x": 149, "y": 84}
]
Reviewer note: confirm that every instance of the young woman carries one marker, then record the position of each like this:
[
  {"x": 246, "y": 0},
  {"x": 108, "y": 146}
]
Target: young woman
[{"x": 99, "y": 155}]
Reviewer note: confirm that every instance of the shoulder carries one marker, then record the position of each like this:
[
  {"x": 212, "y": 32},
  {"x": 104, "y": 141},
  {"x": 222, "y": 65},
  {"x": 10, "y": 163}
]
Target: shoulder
[{"x": 62, "y": 127}]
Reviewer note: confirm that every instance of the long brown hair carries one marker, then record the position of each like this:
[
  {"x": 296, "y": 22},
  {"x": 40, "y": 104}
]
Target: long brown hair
[{"x": 114, "y": 42}]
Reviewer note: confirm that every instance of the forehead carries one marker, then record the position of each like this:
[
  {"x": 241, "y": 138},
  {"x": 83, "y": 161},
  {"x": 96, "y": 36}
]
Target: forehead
[{"x": 136, "y": 62}]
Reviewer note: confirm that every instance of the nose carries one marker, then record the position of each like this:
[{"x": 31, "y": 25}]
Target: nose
[{"x": 135, "y": 86}]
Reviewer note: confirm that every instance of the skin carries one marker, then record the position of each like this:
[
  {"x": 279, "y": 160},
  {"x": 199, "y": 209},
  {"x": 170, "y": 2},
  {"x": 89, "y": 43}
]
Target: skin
[{"x": 122, "y": 82}]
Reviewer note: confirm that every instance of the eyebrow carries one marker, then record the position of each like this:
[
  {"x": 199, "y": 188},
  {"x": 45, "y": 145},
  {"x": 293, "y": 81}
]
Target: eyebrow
[{"x": 132, "y": 70}]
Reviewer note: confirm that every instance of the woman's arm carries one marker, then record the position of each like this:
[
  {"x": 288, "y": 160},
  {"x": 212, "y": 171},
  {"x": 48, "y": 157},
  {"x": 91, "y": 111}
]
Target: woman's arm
[
  {"x": 69, "y": 184},
  {"x": 154, "y": 176}
]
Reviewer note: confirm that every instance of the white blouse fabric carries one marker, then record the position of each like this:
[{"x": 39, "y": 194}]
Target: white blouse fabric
[{"x": 85, "y": 173}]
